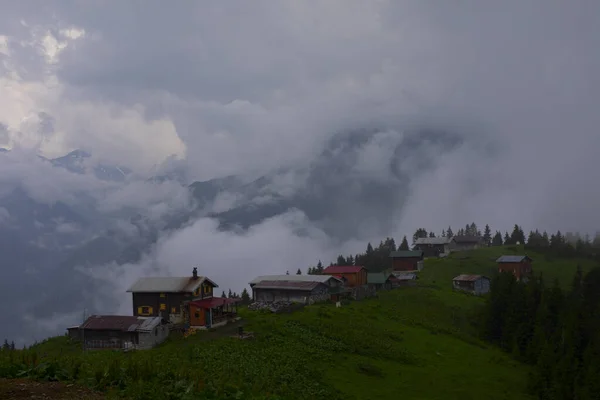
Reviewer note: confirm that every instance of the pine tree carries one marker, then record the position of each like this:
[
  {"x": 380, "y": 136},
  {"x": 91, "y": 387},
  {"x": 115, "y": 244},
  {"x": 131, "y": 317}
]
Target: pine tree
[
  {"x": 431, "y": 234},
  {"x": 298, "y": 272},
  {"x": 419, "y": 233},
  {"x": 223, "y": 295},
  {"x": 487, "y": 235},
  {"x": 497, "y": 239},
  {"x": 230, "y": 295},
  {"x": 287, "y": 272},
  {"x": 449, "y": 232},
  {"x": 506, "y": 239},
  {"x": 5, "y": 346},
  {"x": 12, "y": 345},
  {"x": 319, "y": 267},
  {"x": 404, "y": 245},
  {"x": 245, "y": 296}
]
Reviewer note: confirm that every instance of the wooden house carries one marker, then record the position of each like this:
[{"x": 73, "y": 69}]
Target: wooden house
[
  {"x": 519, "y": 266},
  {"x": 303, "y": 289},
  {"x": 467, "y": 242},
  {"x": 210, "y": 312},
  {"x": 167, "y": 296},
  {"x": 403, "y": 278},
  {"x": 434, "y": 246},
  {"x": 475, "y": 284},
  {"x": 407, "y": 260},
  {"x": 380, "y": 280},
  {"x": 355, "y": 275},
  {"x": 120, "y": 332}
]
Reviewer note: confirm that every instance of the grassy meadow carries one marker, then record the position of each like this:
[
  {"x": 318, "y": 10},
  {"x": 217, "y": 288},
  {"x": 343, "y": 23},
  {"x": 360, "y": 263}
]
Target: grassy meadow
[{"x": 411, "y": 343}]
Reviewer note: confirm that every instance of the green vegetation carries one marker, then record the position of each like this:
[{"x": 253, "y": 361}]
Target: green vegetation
[{"x": 420, "y": 342}]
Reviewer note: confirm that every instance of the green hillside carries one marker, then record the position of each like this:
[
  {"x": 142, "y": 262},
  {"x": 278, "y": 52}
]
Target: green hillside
[
  {"x": 439, "y": 272},
  {"x": 413, "y": 343}
]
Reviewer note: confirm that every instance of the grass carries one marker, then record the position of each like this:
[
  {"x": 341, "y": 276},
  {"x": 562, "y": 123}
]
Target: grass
[
  {"x": 439, "y": 272},
  {"x": 416, "y": 342}
]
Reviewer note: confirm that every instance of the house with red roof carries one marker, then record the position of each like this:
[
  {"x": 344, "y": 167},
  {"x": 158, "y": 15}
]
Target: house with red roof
[{"x": 355, "y": 275}]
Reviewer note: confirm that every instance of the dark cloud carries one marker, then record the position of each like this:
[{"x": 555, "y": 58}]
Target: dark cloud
[{"x": 477, "y": 111}]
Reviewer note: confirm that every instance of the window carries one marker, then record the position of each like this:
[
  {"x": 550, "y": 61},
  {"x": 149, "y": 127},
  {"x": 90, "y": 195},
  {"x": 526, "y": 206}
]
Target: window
[
  {"x": 173, "y": 310},
  {"x": 145, "y": 310},
  {"x": 163, "y": 306},
  {"x": 162, "y": 295}
]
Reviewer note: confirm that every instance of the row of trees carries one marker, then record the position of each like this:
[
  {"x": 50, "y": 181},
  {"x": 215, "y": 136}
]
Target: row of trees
[
  {"x": 556, "y": 331},
  {"x": 8, "y": 346},
  {"x": 244, "y": 297},
  {"x": 563, "y": 245}
]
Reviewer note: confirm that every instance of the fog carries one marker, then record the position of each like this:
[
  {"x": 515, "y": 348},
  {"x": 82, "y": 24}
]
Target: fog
[{"x": 251, "y": 89}]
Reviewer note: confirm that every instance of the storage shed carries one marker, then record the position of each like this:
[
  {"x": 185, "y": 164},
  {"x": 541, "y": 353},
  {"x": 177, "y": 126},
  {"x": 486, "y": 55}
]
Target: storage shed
[
  {"x": 475, "y": 284},
  {"x": 120, "y": 332}
]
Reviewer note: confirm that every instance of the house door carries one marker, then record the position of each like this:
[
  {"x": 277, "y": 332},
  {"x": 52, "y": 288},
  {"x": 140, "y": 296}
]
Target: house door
[{"x": 208, "y": 318}]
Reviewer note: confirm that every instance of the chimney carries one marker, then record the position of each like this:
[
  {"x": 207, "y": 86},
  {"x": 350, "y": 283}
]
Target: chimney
[{"x": 195, "y": 273}]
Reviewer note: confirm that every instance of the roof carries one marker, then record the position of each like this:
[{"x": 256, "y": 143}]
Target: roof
[
  {"x": 434, "y": 240},
  {"x": 169, "y": 284},
  {"x": 213, "y": 302},
  {"x": 512, "y": 259},
  {"x": 123, "y": 323},
  {"x": 378, "y": 277},
  {"x": 293, "y": 278},
  {"x": 404, "y": 276},
  {"x": 469, "y": 278},
  {"x": 406, "y": 254},
  {"x": 287, "y": 285},
  {"x": 343, "y": 269},
  {"x": 467, "y": 239}
]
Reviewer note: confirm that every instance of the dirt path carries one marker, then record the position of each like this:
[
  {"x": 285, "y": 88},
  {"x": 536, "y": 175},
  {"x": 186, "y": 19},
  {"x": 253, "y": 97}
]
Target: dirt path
[{"x": 19, "y": 389}]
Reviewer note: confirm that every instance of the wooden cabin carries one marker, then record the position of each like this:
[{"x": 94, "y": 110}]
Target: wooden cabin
[
  {"x": 296, "y": 288},
  {"x": 519, "y": 266},
  {"x": 166, "y": 296},
  {"x": 120, "y": 332},
  {"x": 355, "y": 275},
  {"x": 475, "y": 284},
  {"x": 407, "y": 260}
]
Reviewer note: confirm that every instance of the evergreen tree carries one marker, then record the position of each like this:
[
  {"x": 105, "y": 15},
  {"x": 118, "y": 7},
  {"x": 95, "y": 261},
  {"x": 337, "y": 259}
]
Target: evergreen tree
[
  {"x": 12, "y": 345},
  {"x": 287, "y": 272},
  {"x": 298, "y": 272},
  {"x": 449, "y": 232},
  {"x": 319, "y": 267},
  {"x": 419, "y": 233},
  {"x": 230, "y": 295},
  {"x": 497, "y": 239},
  {"x": 507, "y": 239},
  {"x": 404, "y": 245},
  {"x": 223, "y": 295},
  {"x": 487, "y": 235},
  {"x": 443, "y": 233},
  {"x": 431, "y": 234},
  {"x": 245, "y": 296},
  {"x": 5, "y": 346},
  {"x": 341, "y": 260}
]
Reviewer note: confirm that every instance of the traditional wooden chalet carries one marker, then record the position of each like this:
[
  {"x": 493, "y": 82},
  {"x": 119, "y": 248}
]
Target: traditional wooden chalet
[
  {"x": 355, "y": 275},
  {"x": 120, "y": 332},
  {"x": 434, "y": 247},
  {"x": 467, "y": 242},
  {"x": 380, "y": 280},
  {"x": 475, "y": 284},
  {"x": 168, "y": 296},
  {"x": 519, "y": 266},
  {"x": 403, "y": 278},
  {"x": 304, "y": 289},
  {"x": 407, "y": 260}
]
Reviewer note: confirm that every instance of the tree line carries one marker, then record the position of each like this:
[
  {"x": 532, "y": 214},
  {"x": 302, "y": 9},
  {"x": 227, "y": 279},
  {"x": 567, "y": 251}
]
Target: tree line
[
  {"x": 560, "y": 244},
  {"x": 556, "y": 331}
]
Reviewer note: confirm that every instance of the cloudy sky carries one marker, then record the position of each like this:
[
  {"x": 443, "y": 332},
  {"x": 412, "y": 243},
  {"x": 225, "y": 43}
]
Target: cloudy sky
[{"x": 234, "y": 87}]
